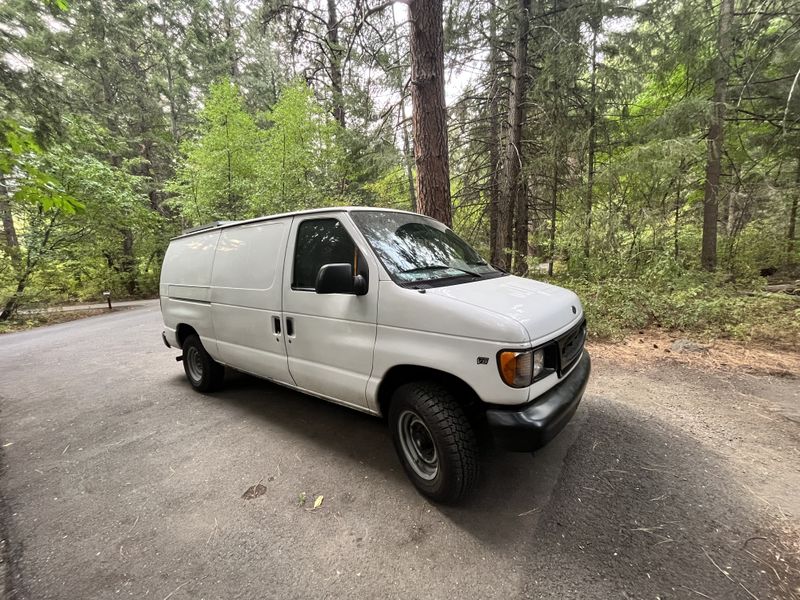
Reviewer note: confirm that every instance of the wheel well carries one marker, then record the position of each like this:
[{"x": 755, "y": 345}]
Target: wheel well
[
  {"x": 183, "y": 331},
  {"x": 400, "y": 374}
]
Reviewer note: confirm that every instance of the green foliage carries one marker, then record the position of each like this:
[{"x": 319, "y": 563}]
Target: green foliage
[
  {"x": 695, "y": 302},
  {"x": 302, "y": 162},
  {"x": 23, "y": 171},
  {"x": 236, "y": 169},
  {"x": 390, "y": 190},
  {"x": 124, "y": 122},
  {"x": 219, "y": 178}
]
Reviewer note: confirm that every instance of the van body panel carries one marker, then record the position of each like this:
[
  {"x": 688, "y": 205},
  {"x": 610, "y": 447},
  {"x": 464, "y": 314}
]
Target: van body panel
[
  {"x": 331, "y": 347},
  {"x": 435, "y": 312},
  {"x": 196, "y": 293},
  {"x": 542, "y": 309},
  {"x": 185, "y": 287},
  {"x": 426, "y": 330},
  {"x": 246, "y": 298}
]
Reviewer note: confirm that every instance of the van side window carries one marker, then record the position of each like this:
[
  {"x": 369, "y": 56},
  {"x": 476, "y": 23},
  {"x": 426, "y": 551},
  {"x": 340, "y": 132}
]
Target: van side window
[{"x": 319, "y": 242}]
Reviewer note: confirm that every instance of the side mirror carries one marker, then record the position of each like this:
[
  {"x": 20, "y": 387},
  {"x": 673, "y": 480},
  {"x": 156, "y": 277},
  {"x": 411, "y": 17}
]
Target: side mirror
[
  {"x": 337, "y": 278},
  {"x": 360, "y": 285}
]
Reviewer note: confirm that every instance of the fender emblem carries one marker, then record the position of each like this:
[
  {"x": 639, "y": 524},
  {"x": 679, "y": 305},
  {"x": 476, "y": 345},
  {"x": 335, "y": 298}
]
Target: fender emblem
[{"x": 483, "y": 360}]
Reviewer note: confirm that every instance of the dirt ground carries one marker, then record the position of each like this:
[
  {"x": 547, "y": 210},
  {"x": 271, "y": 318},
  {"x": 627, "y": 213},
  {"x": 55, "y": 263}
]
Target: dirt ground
[{"x": 678, "y": 477}]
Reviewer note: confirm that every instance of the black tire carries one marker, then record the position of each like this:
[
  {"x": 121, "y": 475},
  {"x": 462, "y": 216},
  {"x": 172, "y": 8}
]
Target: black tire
[
  {"x": 446, "y": 465},
  {"x": 203, "y": 372}
]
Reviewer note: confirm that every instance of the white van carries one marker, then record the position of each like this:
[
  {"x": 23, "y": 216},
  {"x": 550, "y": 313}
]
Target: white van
[{"x": 387, "y": 312}]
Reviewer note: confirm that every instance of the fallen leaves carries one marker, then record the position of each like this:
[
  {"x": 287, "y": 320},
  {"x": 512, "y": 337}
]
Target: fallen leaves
[
  {"x": 254, "y": 491},
  {"x": 301, "y": 501}
]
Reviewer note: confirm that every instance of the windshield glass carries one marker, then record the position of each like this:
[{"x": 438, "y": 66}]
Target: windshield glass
[{"x": 414, "y": 248}]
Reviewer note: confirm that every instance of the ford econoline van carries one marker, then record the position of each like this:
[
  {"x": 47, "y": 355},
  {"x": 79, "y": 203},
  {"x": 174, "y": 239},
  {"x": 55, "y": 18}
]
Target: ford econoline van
[{"x": 387, "y": 312}]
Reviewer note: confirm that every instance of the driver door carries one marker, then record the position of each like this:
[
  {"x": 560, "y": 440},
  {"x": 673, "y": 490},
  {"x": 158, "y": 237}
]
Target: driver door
[{"x": 330, "y": 337}]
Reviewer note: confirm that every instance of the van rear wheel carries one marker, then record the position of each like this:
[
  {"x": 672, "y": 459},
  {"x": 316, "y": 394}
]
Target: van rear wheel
[
  {"x": 203, "y": 372},
  {"x": 434, "y": 440}
]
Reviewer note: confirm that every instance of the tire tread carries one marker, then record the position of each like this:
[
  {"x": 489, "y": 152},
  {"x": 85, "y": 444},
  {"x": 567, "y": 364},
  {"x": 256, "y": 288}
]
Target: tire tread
[{"x": 438, "y": 406}]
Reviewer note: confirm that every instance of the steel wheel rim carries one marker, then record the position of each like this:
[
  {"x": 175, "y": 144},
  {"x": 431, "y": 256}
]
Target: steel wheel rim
[
  {"x": 194, "y": 363},
  {"x": 418, "y": 447}
]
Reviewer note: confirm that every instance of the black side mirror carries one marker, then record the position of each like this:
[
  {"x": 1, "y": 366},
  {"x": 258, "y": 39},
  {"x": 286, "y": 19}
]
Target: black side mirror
[
  {"x": 360, "y": 285},
  {"x": 335, "y": 278}
]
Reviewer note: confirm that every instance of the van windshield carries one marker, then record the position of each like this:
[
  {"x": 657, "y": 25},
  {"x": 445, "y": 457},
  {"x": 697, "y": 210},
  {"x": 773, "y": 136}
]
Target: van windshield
[{"x": 418, "y": 249}]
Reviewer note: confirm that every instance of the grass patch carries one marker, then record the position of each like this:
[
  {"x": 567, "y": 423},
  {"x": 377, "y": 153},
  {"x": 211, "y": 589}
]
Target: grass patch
[{"x": 21, "y": 322}]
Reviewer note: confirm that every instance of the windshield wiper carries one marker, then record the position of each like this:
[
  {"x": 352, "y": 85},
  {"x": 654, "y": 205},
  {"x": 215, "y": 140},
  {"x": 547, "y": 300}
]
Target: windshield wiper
[{"x": 432, "y": 267}]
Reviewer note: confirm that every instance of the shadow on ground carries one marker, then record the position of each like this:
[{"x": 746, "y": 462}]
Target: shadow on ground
[
  {"x": 621, "y": 499},
  {"x": 644, "y": 510}
]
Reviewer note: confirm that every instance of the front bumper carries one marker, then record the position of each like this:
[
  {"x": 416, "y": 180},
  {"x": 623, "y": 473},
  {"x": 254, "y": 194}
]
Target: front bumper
[{"x": 533, "y": 426}]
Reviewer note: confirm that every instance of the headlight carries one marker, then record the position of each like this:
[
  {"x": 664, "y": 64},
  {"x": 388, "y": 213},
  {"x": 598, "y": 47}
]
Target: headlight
[
  {"x": 516, "y": 368},
  {"x": 538, "y": 363},
  {"x": 520, "y": 369}
]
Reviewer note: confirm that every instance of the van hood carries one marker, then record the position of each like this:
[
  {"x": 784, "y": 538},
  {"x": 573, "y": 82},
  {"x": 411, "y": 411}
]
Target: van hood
[{"x": 540, "y": 308}]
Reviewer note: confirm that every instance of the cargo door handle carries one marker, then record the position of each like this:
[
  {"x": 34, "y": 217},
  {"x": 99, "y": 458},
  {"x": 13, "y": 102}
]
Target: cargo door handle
[
  {"x": 276, "y": 325},
  {"x": 290, "y": 326}
]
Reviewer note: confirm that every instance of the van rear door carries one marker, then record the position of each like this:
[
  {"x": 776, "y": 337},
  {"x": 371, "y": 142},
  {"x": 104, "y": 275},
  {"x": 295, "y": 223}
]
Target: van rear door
[
  {"x": 246, "y": 298},
  {"x": 330, "y": 337}
]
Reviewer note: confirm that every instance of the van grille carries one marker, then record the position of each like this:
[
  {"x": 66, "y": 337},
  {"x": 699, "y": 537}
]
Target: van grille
[{"x": 570, "y": 347}]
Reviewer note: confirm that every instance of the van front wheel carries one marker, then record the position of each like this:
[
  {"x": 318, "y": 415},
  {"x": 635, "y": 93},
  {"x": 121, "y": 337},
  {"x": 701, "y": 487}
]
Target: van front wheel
[
  {"x": 434, "y": 441},
  {"x": 203, "y": 372}
]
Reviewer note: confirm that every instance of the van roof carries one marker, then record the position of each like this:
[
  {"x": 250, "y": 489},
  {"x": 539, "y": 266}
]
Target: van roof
[{"x": 331, "y": 209}]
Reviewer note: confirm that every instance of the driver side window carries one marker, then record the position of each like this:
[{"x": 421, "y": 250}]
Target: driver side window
[{"x": 320, "y": 242}]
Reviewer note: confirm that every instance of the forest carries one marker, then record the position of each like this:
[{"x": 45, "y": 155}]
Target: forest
[{"x": 645, "y": 153}]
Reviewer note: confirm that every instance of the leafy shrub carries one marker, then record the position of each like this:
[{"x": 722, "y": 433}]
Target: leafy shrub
[{"x": 703, "y": 304}]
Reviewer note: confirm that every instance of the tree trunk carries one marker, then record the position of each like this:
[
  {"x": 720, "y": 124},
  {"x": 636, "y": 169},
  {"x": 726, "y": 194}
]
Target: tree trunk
[
  {"x": 173, "y": 108},
  {"x": 12, "y": 303},
  {"x": 408, "y": 151},
  {"x": 128, "y": 263},
  {"x": 513, "y": 199},
  {"x": 716, "y": 138},
  {"x": 336, "y": 64},
  {"x": 12, "y": 250},
  {"x": 9, "y": 230},
  {"x": 408, "y": 158},
  {"x": 430, "y": 112},
  {"x": 791, "y": 235},
  {"x": 493, "y": 140},
  {"x": 24, "y": 273},
  {"x": 587, "y": 234},
  {"x": 553, "y": 209},
  {"x": 229, "y": 29},
  {"x": 678, "y": 191},
  {"x": 514, "y": 152}
]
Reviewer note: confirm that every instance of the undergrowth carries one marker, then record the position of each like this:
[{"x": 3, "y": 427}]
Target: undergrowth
[{"x": 696, "y": 303}]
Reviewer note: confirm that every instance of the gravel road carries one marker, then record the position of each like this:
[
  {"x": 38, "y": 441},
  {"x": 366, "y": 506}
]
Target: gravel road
[{"x": 118, "y": 481}]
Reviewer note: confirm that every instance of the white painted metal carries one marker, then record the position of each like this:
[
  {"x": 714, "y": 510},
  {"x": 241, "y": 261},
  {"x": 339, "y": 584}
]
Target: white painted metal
[
  {"x": 331, "y": 350},
  {"x": 229, "y": 282},
  {"x": 246, "y": 298}
]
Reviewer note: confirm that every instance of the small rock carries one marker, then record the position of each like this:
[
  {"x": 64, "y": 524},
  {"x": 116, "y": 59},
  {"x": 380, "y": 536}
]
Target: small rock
[{"x": 684, "y": 345}]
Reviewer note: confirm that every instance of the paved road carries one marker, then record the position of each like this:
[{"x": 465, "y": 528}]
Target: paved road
[{"x": 119, "y": 481}]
